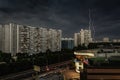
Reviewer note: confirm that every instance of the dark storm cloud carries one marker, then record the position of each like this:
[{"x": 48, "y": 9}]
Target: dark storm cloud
[{"x": 68, "y": 15}]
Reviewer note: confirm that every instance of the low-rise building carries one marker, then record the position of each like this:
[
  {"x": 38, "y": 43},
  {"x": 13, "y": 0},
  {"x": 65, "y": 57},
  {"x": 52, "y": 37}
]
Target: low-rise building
[
  {"x": 67, "y": 43},
  {"x": 106, "y": 39}
]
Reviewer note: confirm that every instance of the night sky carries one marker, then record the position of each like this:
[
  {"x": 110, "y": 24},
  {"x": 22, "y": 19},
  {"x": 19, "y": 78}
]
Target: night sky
[{"x": 68, "y": 15}]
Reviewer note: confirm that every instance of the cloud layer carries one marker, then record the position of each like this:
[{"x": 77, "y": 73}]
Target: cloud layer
[{"x": 68, "y": 15}]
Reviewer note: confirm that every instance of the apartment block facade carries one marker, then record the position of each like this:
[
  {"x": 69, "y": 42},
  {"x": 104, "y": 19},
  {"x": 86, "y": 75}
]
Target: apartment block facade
[
  {"x": 83, "y": 37},
  {"x": 16, "y": 38}
]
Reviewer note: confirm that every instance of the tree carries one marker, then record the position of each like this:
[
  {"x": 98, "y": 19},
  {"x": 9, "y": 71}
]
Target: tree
[{"x": 5, "y": 57}]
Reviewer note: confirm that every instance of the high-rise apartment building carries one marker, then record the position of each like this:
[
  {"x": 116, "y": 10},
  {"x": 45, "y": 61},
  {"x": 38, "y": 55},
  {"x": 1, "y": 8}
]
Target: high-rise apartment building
[
  {"x": 54, "y": 39},
  {"x": 76, "y": 39},
  {"x": 8, "y": 38},
  {"x": 16, "y": 38},
  {"x": 84, "y": 37}
]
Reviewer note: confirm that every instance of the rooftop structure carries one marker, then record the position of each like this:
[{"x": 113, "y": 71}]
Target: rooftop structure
[{"x": 81, "y": 57}]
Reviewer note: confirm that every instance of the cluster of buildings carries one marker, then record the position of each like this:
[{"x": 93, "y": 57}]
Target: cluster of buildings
[
  {"x": 106, "y": 39},
  {"x": 84, "y": 37},
  {"x": 15, "y": 38}
]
